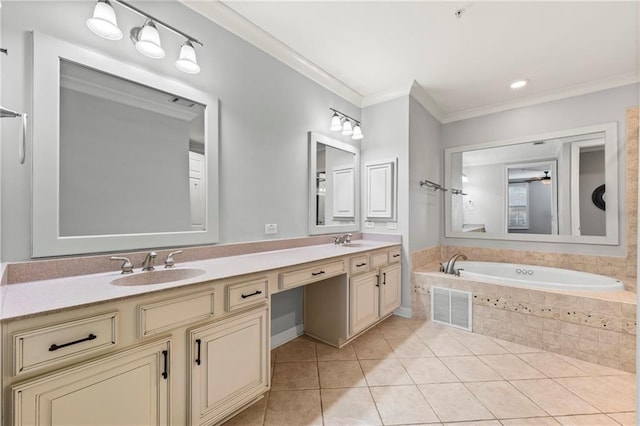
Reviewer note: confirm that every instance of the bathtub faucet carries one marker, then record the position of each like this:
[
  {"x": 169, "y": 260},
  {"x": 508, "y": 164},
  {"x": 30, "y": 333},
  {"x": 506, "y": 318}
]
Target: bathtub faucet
[{"x": 449, "y": 268}]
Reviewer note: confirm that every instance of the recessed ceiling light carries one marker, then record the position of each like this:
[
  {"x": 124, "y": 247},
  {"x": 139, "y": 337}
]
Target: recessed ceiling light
[{"x": 518, "y": 84}]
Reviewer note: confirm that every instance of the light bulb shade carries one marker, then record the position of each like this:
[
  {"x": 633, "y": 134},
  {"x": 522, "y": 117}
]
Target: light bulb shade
[
  {"x": 465, "y": 178},
  {"x": 187, "y": 61},
  {"x": 147, "y": 40},
  {"x": 346, "y": 128},
  {"x": 103, "y": 22},
  {"x": 336, "y": 124},
  {"x": 357, "y": 133}
]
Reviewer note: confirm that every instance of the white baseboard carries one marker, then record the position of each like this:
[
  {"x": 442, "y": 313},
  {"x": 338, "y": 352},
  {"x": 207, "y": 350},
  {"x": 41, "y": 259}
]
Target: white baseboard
[
  {"x": 403, "y": 312},
  {"x": 286, "y": 336}
]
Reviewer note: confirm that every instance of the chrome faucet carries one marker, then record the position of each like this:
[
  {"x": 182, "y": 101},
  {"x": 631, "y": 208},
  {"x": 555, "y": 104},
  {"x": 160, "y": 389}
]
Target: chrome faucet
[
  {"x": 170, "y": 261},
  {"x": 147, "y": 265},
  {"x": 127, "y": 266},
  {"x": 449, "y": 268},
  {"x": 342, "y": 239}
]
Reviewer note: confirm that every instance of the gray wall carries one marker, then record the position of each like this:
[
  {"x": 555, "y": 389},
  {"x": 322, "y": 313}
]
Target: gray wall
[
  {"x": 386, "y": 130},
  {"x": 594, "y": 108},
  {"x": 425, "y": 162}
]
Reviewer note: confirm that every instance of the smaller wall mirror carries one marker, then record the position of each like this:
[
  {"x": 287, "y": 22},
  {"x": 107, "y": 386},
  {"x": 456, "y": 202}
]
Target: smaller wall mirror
[{"x": 333, "y": 185}]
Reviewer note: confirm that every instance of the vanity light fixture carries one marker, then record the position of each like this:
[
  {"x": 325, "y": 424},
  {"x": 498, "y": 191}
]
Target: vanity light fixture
[
  {"x": 518, "y": 84},
  {"x": 146, "y": 38},
  {"x": 103, "y": 22},
  {"x": 348, "y": 126}
]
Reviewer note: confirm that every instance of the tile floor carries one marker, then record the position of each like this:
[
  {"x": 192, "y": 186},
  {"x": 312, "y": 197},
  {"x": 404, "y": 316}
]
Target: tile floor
[{"x": 413, "y": 372}]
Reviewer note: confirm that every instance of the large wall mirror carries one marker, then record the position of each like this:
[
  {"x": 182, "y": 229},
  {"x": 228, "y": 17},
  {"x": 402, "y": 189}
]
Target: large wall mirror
[
  {"x": 333, "y": 185},
  {"x": 122, "y": 158},
  {"x": 559, "y": 186}
]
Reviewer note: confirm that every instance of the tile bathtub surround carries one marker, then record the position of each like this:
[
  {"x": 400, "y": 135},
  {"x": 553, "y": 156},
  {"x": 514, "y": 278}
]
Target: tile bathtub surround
[
  {"x": 422, "y": 258},
  {"x": 441, "y": 380},
  {"x": 584, "y": 327},
  {"x": 633, "y": 139}
]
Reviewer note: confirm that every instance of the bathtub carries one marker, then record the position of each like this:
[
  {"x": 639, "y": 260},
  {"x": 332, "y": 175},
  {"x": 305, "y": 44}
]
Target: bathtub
[{"x": 537, "y": 277}]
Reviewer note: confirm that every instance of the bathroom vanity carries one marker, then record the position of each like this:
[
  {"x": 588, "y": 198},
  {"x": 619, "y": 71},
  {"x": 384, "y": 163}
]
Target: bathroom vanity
[{"x": 81, "y": 350}]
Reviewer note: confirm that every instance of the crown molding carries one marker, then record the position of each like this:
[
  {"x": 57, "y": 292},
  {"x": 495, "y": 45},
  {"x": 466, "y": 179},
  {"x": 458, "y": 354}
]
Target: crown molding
[
  {"x": 237, "y": 24},
  {"x": 568, "y": 92},
  {"x": 420, "y": 94}
]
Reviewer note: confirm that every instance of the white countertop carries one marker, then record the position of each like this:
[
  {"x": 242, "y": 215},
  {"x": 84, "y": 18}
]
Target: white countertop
[{"x": 38, "y": 297}]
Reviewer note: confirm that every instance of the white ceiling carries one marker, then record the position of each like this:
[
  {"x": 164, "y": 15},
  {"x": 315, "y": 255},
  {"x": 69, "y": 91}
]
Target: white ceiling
[{"x": 465, "y": 65}]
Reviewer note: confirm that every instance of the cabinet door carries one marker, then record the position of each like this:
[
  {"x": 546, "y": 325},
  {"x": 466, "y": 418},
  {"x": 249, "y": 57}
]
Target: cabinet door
[
  {"x": 363, "y": 294},
  {"x": 229, "y": 365},
  {"x": 390, "y": 289},
  {"x": 128, "y": 388}
]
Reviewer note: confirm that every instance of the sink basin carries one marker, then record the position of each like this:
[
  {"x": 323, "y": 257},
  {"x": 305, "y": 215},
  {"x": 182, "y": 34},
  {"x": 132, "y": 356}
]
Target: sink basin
[{"x": 157, "y": 277}]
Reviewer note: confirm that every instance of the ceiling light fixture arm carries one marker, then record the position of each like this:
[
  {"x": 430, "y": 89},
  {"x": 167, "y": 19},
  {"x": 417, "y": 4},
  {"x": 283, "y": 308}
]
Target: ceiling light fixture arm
[
  {"x": 158, "y": 21},
  {"x": 340, "y": 113}
]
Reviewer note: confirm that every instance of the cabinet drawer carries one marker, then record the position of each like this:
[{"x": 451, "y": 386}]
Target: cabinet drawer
[
  {"x": 394, "y": 255},
  {"x": 161, "y": 316},
  {"x": 246, "y": 294},
  {"x": 47, "y": 346},
  {"x": 310, "y": 274},
  {"x": 359, "y": 264},
  {"x": 379, "y": 258}
]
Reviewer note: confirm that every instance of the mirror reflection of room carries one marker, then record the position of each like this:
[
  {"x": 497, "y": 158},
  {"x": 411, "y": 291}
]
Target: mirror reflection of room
[
  {"x": 541, "y": 187},
  {"x": 335, "y": 186},
  {"x": 132, "y": 158}
]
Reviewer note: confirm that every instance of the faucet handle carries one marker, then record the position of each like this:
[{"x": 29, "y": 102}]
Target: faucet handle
[
  {"x": 337, "y": 240},
  {"x": 169, "y": 261},
  {"x": 347, "y": 238},
  {"x": 127, "y": 266}
]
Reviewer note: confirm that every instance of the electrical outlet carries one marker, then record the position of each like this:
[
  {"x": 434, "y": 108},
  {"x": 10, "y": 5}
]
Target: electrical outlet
[
  {"x": 392, "y": 225},
  {"x": 270, "y": 228},
  {"x": 369, "y": 224}
]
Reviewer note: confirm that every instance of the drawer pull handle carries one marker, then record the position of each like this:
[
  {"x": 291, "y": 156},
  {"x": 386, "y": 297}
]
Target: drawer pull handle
[
  {"x": 165, "y": 354},
  {"x": 396, "y": 255},
  {"x": 358, "y": 265},
  {"x": 198, "y": 342},
  {"x": 55, "y": 347},
  {"x": 317, "y": 273},
  {"x": 244, "y": 296}
]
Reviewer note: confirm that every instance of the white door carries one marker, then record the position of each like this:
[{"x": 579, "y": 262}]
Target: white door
[
  {"x": 364, "y": 298},
  {"x": 229, "y": 365},
  {"x": 197, "y": 190},
  {"x": 129, "y": 388}
]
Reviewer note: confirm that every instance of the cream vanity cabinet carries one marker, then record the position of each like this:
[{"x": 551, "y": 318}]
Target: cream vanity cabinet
[
  {"x": 190, "y": 355},
  {"x": 229, "y": 365},
  {"x": 376, "y": 293},
  {"x": 128, "y": 388},
  {"x": 338, "y": 308}
]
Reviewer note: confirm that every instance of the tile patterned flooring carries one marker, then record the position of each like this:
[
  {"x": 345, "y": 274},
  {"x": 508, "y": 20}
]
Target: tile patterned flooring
[{"x": 406, "y": 372}]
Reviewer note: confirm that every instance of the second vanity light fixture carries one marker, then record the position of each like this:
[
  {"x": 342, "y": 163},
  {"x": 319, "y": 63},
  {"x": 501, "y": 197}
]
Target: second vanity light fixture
[
  {"x": 146, "y": 38},
  {"x": 341, "y": 122}
]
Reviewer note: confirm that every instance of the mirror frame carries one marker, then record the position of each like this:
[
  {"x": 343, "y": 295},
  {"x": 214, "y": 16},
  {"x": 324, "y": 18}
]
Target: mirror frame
[
  {"x": 611, "y": 183},
  {"x": 46, "y": 239},
  {"x": 314, "y": 228}
]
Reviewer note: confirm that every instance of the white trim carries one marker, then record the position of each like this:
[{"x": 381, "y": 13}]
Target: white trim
[
  {"x": 287, "y": 336},
  {"x": 577, "y": 90},
  {"x": 403, "y": 312},
  {"x": 423, "y": 97},
  {"x": 237, "y": 24},
  {"x": 575, "y": 180}
]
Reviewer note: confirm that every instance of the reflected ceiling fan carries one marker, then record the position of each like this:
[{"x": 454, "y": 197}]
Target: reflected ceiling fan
[{"x": 546, "y": 179}]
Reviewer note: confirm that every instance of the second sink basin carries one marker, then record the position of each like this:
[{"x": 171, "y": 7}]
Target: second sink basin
[{"x": 157, "y": 277}]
